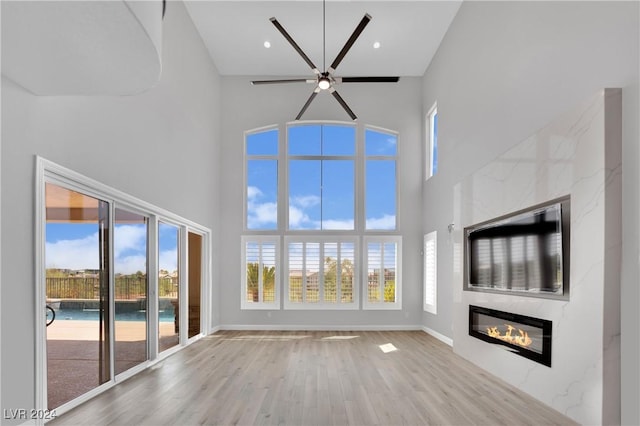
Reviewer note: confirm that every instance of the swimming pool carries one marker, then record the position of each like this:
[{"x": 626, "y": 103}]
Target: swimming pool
[{"x": 93, "y": 315}]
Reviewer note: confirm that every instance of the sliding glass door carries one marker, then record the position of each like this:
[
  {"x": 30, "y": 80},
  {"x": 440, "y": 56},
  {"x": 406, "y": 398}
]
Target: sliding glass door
[
  {"x": 195, "y": 282},
  {"x": 78, "y": 333},
  {"x": 168, "y": 286},
  {"x": 130, "y": 268},
  {"x": 120, "y": 282}
]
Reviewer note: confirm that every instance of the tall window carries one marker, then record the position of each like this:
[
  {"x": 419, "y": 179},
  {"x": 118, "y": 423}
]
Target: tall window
[
  {"x": 260, "y": 272},
  {"x": 380, "y": 193},
  {"x": 432, "y": 132},
  {"x": 261, "y": 153},
  {"x": 321, "y": 273},
  {"x": 383, "y": 272},
  {"x": 321, "y": 177},
  {"x": 339, "y": 186},
  {"x": 430, "y": 272}
]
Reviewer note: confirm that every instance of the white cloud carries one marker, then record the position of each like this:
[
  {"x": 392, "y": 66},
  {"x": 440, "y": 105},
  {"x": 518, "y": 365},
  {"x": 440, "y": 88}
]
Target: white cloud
[
  {"x": 127, "y": 265},
  {"x": 129, "y": 238},
  {"x": 298, "y": 218},
  {"x": 387, "y": 221},
  {"x": 253, "y": 192},
  {"x": 168, "y": 260},
  {"x": 130, "y": 246},
  {"x": 82, "y": 253},
  {"x": 337, "y": 224},
  {"x": 76, "y": 254},
  {"x": 305, "y": 201},
  {"x": 261, "y": 214}
]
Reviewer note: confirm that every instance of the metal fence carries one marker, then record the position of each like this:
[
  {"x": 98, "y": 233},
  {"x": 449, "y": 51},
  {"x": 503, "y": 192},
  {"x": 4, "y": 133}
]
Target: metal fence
[{"x": 126, "y": 288}]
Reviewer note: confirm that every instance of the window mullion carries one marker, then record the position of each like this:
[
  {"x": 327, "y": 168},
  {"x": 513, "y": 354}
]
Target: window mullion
[
  {"x": 359, "y": 224},
  {"x": 381, "y": 276},
  {"x": 339, "y": 273},
  {"x": 260, "y": 277},
  {"x": 304, "y": 272},
  {"x": 321, "y": 283}
]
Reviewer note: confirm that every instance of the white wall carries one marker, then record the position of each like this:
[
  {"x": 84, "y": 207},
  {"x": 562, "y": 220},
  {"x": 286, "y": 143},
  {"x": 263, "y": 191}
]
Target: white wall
[
  {"x": 505, "y": 70},
  {"x": 392, "y": 106},
  {"x": 160, "y": 146}
]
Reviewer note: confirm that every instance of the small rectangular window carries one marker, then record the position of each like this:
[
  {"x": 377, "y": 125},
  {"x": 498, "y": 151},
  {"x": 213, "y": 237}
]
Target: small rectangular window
[
  {"x": 383, "y": 272},
  {"x": 430, "y": 272},
  {"x": 260, "y": 272},
  {"x": 432, "y": 139}
]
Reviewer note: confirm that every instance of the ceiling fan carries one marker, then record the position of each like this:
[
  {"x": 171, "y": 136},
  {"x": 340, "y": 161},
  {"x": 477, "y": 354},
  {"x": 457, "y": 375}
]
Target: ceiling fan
[{"x": 326, "y": 80}]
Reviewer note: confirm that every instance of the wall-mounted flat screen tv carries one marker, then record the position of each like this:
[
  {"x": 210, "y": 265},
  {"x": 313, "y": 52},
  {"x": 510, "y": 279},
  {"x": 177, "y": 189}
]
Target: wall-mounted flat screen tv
[{"x": 524, "y": 253}]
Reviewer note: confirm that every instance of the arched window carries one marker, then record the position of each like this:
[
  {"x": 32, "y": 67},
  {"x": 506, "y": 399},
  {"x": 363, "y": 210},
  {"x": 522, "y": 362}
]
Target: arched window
[{"x": 327, "y": 194}]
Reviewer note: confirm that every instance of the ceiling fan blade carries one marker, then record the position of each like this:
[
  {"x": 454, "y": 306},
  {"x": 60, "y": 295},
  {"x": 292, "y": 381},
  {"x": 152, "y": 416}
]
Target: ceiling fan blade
[
  {"x": 369, "y": 79},
  {"x": 286, "y": 35},
  {"x": 343, "y": 103},
  {"x": 306, "y": 105},
  {"x": 356, "y": 33},
  {"x": 291, "y": 80}
]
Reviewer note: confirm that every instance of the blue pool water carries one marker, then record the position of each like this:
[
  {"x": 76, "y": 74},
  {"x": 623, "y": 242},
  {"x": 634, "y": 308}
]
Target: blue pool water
[{"x": 93, "y": 315}]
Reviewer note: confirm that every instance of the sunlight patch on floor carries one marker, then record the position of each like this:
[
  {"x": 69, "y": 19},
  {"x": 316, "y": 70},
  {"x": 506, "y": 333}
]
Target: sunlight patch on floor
[
  {"x": 387, "y": 347},
  {"x": 269, "y": 337},
  {"x": 339, "y": 337}
]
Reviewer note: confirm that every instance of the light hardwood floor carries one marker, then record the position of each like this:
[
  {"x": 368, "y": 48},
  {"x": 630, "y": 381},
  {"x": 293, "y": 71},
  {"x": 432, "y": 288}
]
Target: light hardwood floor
[{"x": 314, "y": 378}]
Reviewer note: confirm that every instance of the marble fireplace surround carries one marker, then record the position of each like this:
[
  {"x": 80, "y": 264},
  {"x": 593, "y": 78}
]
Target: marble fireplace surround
[{"x": 578, "y": 154}]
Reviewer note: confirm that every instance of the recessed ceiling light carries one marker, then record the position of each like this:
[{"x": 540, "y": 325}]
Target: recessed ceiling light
[
  {"x": 267, "y": 44},
  {"x": 376, "y": 45}
]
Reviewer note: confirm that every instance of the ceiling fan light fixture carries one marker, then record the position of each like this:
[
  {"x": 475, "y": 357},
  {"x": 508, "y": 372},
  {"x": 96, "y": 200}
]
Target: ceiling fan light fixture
[
  {"x": 324, "y": 83},
  {"x": 325, "y": 80}
]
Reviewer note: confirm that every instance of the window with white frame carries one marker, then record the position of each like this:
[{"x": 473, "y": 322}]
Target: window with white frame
[
  {"x": 381, "y": 148},
  {"x": 430, "y": 272},
  {"x": 260, "y": 272},
  {"x": 321, "y": 176},
  {"x": 261, "y": 177},
  {"x": 321, "y": 273},
  {"x": 320, "y": 191},
  {"x": 431, "y": 160},
  {"x": 383, "y": 283}
]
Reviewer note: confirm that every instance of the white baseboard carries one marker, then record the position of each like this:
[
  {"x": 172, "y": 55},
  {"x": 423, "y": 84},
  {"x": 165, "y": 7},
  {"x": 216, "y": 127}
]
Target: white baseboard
[
  {"x": 214, "y": 329},
  {"x": 441, "y": 337},
  {"x": 286, "y": 327}
]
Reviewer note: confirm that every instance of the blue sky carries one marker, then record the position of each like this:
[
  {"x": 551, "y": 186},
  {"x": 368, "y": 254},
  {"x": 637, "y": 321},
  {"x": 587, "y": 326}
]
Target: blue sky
[{"x": 321, "y": 192}]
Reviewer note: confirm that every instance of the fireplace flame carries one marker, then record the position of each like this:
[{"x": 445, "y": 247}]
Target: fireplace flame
[{"x": 521, "y": 338}]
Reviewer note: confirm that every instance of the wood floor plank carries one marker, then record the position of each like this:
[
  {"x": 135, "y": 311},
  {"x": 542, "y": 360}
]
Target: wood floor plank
[{"x": 313, "y": 378}]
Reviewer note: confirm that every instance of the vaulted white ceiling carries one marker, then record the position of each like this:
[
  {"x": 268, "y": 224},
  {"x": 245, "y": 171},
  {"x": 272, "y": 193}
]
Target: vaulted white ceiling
[
  {"x": 409, "y": 33},
  {"x": 82, "y": 47}
]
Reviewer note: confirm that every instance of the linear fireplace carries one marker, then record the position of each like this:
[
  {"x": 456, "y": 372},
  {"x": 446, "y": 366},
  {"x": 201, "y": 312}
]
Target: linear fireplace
[{"x": 526, "y": 336}]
